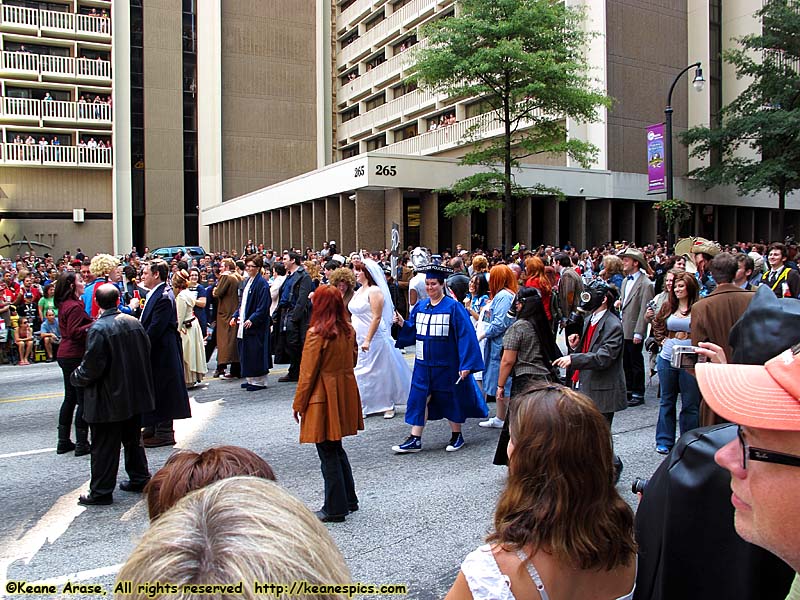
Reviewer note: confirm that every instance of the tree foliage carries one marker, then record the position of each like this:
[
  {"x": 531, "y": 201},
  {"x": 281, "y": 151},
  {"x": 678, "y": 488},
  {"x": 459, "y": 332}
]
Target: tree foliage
[
  {"x": 526, "y": 60},
  {"x": 758, "y": 138}
]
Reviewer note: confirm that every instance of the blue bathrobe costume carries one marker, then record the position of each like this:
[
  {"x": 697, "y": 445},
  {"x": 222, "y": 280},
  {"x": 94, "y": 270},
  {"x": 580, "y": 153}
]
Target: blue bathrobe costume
[{"x": 445, "y": 344}]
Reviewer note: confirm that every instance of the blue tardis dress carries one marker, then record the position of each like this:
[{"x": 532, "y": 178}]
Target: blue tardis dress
[{"x": 445, "y": 344}]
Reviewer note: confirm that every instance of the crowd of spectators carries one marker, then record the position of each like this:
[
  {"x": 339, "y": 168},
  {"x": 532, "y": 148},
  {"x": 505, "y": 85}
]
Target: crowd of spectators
[{"x": 694, "y": 295}]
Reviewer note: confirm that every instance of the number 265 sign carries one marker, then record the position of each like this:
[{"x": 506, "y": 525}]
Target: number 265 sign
[{"x": 383, "y": 170}]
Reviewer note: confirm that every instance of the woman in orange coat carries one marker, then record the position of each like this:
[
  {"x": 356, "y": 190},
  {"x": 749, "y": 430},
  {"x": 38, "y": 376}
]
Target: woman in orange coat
[{"x": 326, "y": 402}]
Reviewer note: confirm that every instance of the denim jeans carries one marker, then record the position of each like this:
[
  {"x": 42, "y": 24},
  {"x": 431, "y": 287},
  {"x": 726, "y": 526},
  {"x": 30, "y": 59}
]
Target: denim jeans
[{"x": 671, "y": 382}]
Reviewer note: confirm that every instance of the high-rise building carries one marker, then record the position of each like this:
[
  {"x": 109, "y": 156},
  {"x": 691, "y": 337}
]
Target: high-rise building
[
  {"x": 291, "y": 123},
  {"x": 104, "y": 107},
  {"x": 387, "y": 149}
]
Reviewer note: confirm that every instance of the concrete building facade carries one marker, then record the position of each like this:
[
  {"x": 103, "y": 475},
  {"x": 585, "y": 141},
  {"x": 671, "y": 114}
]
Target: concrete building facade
[{"x": 377, "y": 124}]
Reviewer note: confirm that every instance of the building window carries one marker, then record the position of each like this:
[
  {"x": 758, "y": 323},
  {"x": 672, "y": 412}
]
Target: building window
[
  {"x": 715, "y": 69},
  {"x": 350, "y": 113},
  {"x": 349, "y": 39},
  {"x": 376, "y": 142},
  {"x": 376, "y": 101},
  {"x": 477, "y": 108},
  {"x": 409, "y": 131},
  {"x": 375, "y": 20},
  {"x": 349, "y": 151},
  {"x": 138, "y": 200},
  {"x": 403, "y": 89}
]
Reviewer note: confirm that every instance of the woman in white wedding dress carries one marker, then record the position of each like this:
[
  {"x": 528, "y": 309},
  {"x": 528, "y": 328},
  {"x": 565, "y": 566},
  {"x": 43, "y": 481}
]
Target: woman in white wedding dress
[{"x": 382, "y": 374}]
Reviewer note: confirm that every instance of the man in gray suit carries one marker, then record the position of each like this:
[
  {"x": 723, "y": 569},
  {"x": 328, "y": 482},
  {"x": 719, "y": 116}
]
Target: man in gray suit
[
  {"x": 596, "y": 355},
  {"x": 637, "y": 291}
]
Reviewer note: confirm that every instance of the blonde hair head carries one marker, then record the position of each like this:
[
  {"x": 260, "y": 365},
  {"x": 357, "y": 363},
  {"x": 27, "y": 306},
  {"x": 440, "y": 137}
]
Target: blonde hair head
[
  {"x": 102, "y": 265},
  {"x": 241, "y": 529}
]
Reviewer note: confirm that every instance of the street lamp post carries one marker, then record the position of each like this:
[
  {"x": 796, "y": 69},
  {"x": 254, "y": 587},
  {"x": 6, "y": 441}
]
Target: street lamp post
[{"x": 698, "y": 84}]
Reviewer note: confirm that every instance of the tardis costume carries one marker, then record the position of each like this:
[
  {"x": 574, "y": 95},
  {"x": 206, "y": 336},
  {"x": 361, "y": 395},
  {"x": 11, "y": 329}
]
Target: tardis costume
[{"x": 445, "y": 344}]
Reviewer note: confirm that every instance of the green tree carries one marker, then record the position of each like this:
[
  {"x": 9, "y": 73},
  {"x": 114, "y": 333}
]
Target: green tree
[
  {"x": 758, "y": 137},
  {"x": 526, "y": 60}
]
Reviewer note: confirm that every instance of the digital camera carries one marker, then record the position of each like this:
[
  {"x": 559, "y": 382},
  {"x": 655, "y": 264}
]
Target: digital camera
[{"x": 686, "y": 357}]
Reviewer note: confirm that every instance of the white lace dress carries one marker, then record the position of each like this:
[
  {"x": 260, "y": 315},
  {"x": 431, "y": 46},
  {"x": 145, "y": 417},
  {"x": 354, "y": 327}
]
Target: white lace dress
[{"x": 382, "y": 374}]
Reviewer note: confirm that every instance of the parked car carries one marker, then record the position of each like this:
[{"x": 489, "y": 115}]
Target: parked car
[{"x": 168, "y": 252}]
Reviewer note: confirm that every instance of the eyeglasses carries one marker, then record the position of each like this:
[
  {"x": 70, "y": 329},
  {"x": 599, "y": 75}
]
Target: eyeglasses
[
  {"x": 762, "y": 455},
  {"x": 250, "y": 266}
]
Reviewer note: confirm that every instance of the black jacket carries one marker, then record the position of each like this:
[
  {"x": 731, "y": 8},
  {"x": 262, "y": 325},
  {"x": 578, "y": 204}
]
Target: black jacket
[
  {"x": 115, "y": 370},
  {"x": 688, "y": 547}
]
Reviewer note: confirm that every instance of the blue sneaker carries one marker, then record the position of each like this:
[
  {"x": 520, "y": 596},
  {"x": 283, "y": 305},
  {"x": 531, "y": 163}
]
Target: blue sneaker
[
  {"x": 662, "y": 449},
  {"x": 456, "y": 444},
  {"x": 412, "y": 444}
]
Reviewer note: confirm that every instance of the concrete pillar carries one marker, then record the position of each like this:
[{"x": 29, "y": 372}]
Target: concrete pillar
[
  {"x": 577, "y": 224},
  {"x": 429, "y": 220},
  {"x": 332, "y": 222},
  {"x": 726, "y": 218},
  {"x": 547, "y": 210},
  {"x": 370, "y": 220},
  {"x": 318, "y": 226},
  {"x": 522, "y": 228},
  {"x": 762, "y": 225},
  {"x": 275, "y": 231},
  {"x": 393, "y": 213},
  {"x": 494, "y": 234},
  {"x": 286, "y": 231},
  {"x": 347, "y": 225},
  {"x": 307, "y": 225},
  {"x": 295, "y": 224},
  {"x": 626, "y": 213},
  {"x": 646, "y": 223},
  {"x": 462, "y": 231},
  {"x": 745, "y": 224},
  {"x": 598, "y": 217}
]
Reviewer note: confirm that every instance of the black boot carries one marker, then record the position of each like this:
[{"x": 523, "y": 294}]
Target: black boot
[
  {"x": 64, "y": 443},
  {"x": 82, "y": 447}
]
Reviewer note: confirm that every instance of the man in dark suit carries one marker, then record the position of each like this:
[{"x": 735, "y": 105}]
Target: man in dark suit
[
  {"x": 295, "y": 312},
  {"x": 596, "y": 359},
  {"x": 637, "y": 291},
  {"x": 252, "y": 326},
  {"x": 161, "y": 323},
  {"x": 115, "y": 372}
]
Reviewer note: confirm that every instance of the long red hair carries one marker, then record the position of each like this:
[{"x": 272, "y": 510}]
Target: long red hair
[
  {"x": 328, "y": 316},
  {"x": 501, "y": 277},
  {"x": 534, "y": 269}
]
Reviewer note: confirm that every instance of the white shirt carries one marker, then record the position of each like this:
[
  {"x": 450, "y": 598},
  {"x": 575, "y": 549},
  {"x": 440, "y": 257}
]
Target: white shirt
[
  {"x": 631, "y": 282},
  {"x": 597, "y": 316},
  {"x": 245, "y": 294}
]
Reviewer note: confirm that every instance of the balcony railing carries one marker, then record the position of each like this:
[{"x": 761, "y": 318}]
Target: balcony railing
[
  {"x": 446, "y": 138},
  {"x": 356, "y": 8},
  {"x": 55, "y": 110},
  {"x": 21, "y": 108},
  {"x": 19, "y": 17},
  {"x": 55, "y": 66},
  {"x": 52, "y": 21},
  {"x": 20, "y": 62},
  {"x": 93, "y": 69},
  {"x": 373, "y": 77},
  {"x": 57, "y": 156},
  {"x": 381, "y": 32},
  {"x": 56, "y": 21},
  {"x": 399, "y": 107}
]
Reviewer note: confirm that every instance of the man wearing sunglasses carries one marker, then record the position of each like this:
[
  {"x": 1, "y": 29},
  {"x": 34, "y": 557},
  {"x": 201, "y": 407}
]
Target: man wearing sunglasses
[{"x": 764, "y": 459}]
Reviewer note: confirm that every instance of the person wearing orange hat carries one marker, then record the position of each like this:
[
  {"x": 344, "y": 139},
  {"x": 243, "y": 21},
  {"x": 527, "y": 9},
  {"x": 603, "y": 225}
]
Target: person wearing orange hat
[{"x": 764, "y": 459}]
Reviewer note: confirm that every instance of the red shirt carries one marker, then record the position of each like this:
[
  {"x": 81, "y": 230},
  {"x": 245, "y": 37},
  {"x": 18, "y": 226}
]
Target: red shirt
[{"x": 587, "y": 343}]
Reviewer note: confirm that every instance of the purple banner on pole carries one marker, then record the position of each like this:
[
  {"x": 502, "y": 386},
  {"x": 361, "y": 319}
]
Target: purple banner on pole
[{"x": 656, "y": 168}]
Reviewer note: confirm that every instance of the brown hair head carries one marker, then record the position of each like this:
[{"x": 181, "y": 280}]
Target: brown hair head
[
  {"x": 186, "y": 471},
  {"x": 560, "y": 496},
  {"x": 180, "y": 280},
  {"x": 692, "y": 291}
]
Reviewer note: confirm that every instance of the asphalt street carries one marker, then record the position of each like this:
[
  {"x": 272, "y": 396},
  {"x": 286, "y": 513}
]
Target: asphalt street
[{"x": 419, "y": 514}]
